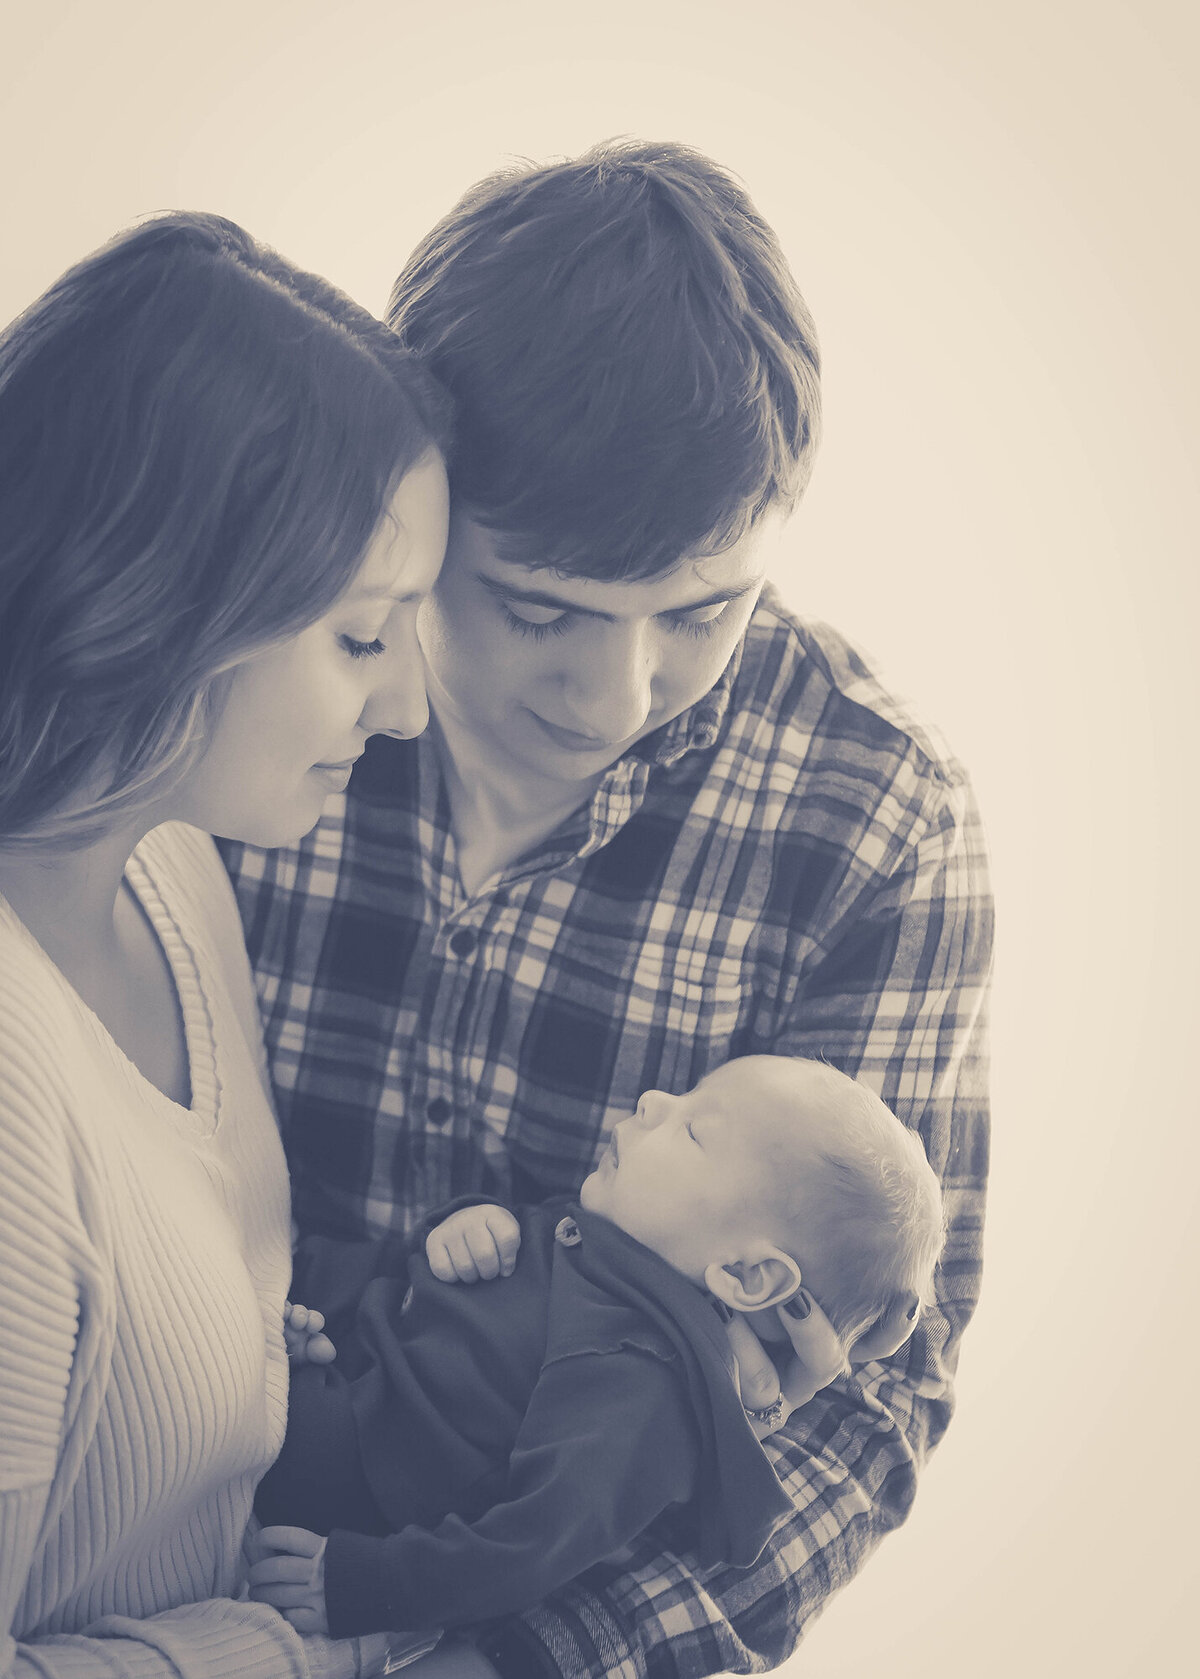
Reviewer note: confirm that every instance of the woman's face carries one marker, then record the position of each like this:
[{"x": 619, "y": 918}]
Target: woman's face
[{"x": 298, "y": 713}]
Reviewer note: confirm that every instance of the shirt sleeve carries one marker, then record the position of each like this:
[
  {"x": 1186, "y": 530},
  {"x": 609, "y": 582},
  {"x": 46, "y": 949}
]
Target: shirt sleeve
[
  {"x": 605, "y": 1446},
  {"x": 897, "y": 999}
]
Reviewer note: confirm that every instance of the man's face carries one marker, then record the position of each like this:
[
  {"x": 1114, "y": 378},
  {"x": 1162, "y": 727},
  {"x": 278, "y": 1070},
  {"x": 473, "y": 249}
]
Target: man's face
[{"x": 558, "y": 676}]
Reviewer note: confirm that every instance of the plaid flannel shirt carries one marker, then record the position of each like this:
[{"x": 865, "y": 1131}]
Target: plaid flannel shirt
[{"x": 791, "y": 866}]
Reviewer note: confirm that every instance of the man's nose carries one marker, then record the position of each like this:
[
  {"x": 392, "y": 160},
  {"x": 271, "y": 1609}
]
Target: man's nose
[{"x": 608, "y": 687}]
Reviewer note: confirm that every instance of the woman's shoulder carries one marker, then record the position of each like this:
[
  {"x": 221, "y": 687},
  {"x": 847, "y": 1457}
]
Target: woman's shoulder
[
  {"x": 181, "y": 867},
  {"x": 183, "y": 860},
  {"x": 37, "y": 1006},
  {"x": 184, "y": 868},
  {"x": 48, "y": 1051}
]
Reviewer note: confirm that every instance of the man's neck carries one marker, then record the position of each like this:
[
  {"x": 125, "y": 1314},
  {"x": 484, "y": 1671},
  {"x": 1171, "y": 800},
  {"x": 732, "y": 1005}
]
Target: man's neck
[{"x": 498, "y": 811}]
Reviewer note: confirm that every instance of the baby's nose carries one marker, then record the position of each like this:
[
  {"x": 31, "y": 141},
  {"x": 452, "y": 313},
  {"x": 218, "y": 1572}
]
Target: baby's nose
[{"x": 653, "y": 1108}]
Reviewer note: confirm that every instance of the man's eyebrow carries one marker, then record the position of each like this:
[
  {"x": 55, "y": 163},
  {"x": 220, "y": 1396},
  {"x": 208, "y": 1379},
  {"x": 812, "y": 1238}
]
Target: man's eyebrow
[{"x": 556, "y": 603}]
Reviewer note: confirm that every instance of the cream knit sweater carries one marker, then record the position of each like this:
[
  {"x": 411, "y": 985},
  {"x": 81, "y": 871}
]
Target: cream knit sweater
[{"x": 143, "y": 1267}]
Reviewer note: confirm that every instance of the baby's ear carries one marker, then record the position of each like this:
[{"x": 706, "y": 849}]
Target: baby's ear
[
  {"x": 889, "y": 1332},
  {"x": 751, "y": 1285}
]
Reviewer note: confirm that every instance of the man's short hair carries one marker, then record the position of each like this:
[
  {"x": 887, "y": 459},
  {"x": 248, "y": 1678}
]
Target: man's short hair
[{"x": 634, "y": 371}]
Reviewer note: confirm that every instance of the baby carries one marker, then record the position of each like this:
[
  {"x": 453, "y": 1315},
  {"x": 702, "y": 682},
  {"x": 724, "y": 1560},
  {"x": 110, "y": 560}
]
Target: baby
[{"x": 479, "y": 1447}]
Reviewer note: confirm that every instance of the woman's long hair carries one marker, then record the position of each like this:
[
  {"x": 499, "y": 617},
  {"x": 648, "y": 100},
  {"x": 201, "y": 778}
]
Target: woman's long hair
[{"x": 197, "y": 441}]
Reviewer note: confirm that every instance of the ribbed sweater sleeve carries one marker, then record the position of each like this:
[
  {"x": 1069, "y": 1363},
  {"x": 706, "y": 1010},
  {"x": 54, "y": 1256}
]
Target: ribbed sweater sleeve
[{"x": 128, "y": 1451}]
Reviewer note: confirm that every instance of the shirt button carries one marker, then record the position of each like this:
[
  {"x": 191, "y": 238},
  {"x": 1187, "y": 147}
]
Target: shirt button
[
  {"x": 463, "y": 942},
  {"x": 438, "y": 1110}
]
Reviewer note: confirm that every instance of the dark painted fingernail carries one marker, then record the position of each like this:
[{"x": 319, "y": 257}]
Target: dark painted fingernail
[{"x": 799, "y": 1306}]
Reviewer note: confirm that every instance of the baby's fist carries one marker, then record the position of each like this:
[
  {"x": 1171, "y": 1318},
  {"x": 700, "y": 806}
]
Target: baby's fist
[
  {"x": 292, "y": 1578},
  {"x": 474, "y": 1244}
]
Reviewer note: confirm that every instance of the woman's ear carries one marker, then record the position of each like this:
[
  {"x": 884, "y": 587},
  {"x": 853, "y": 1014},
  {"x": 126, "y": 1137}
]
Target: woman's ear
[{"x": 751, "y": 1285}]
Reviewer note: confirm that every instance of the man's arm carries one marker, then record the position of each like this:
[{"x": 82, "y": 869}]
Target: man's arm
[{"x": 898, "y": 1000}]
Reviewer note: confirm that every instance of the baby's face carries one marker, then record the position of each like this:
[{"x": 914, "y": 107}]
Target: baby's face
[{"x": 689, "y": 1176}]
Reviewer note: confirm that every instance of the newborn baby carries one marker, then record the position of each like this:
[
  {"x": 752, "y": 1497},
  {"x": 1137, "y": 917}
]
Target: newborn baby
[{"x": 528, "y": 1395}]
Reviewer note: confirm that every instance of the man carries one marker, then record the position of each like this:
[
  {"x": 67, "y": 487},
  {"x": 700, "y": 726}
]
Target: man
[{"x": 656, "y": 822}]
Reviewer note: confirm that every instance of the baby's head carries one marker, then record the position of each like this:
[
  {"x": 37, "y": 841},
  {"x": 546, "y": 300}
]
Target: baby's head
[{"x": 773, "y": 1169}]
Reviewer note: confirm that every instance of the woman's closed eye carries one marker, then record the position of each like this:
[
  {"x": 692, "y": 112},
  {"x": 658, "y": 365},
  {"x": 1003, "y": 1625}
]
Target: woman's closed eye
[{"x": 362, "y": 649}]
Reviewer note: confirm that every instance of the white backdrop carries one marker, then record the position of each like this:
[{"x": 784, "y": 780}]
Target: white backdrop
[{"x": 990, "y": 212}]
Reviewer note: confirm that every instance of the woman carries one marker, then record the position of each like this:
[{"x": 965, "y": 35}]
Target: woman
[{"x": 221, "y": 501}]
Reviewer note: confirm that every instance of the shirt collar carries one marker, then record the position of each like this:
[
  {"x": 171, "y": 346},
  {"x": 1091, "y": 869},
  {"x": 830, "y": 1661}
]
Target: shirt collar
[{"x": 697, "y": 728}]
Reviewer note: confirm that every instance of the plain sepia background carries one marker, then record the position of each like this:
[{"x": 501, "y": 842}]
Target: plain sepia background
[{"x": 990, "y": 209}]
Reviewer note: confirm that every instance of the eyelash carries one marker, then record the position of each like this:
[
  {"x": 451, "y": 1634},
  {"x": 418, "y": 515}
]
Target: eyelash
[
  {"x": 362, "y": 649},
  {"x": 539, "y": 632},
  {"x": 699, "y": 628}
]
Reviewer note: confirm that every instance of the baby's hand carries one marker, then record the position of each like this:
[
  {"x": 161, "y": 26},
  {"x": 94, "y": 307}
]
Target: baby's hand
[
  {"x": 293, "y": 1579},
  {"x": 473, "y": 1245},
  {"x": 304, "y": 1337}
]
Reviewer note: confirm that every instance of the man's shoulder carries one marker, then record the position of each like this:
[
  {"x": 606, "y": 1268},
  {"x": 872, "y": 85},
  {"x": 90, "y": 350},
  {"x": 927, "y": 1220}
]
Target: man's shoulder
[{"x": 805, "y": 694}]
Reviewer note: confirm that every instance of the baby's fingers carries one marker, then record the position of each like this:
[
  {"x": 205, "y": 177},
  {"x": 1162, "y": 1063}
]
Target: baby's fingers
[
  {"x": 437, "y": 1254},
  {"x": 298, "y": 1541},
  {"x": 459, "y": 1254},
  {"x": 306, "y": 1620},
  {"x": 506, "y": 1233},
  {"x": 281, "y": 1571},
  {"x": 281, "y": 1596},
  {"x": 485, "y": 1258}
]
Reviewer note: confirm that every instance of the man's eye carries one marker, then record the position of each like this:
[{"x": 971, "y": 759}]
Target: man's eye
[
  {"x": 362, "y": 649},
  {"x": 701, "y": 623},
  {"x": 537, "y": 621}
]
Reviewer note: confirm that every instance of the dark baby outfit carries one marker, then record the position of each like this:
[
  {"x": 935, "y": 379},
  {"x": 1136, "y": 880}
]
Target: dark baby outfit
[{"x": 479, "y": 1445}]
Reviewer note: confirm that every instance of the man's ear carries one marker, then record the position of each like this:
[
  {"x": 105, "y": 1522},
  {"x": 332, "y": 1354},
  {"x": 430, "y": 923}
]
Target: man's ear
[
  {"x": 889, "y": 1332},
  {"x": 750, "y": 1285}
]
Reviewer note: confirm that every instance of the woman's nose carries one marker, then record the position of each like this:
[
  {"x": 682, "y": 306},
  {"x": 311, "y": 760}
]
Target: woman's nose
[{"x": 398, "y": 704}]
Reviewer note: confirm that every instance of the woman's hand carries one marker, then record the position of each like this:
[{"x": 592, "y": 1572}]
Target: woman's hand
[{"x": 811, "y": 1357}]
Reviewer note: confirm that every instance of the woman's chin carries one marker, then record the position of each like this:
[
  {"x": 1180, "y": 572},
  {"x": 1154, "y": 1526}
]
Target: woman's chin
[{"x": 269, "y": 832}]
